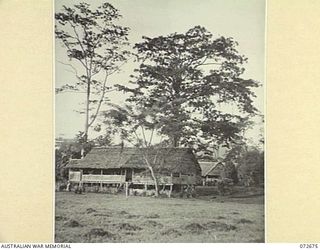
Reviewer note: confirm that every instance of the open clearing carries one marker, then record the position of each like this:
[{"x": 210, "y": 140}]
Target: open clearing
[{"x": 94, "y": 217}]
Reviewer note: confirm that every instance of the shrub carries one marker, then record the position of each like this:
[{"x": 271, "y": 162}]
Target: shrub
[
  {"x": 230, "y": 172},
  {"x": 251, "y": 168}
]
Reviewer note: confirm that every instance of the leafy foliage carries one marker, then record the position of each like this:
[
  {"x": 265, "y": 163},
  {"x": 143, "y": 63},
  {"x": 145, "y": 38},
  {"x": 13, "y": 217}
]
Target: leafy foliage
[
  {"x": 63, "y": 155},
  {"x": 230, "y": 172},
  {"x": 68, "y": 151},
  {"x": 235, "y": 153},
  {"x": 131, "y": 123},
  {"x": 251, "y": 168},
  {"x": 185, "y": 78}
]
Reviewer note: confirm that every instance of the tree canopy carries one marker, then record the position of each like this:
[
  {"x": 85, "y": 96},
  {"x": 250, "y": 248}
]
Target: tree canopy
[{"x": 185, "y": 78}]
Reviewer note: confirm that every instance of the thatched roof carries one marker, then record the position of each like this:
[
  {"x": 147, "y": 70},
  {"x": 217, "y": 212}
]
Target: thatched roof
[
  {"x": 207, "y": 167},
  {"x": 180, "y": 160}
]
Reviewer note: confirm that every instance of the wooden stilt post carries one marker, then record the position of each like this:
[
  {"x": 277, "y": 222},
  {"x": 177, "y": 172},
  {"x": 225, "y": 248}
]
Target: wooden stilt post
[
  {"x": 170, "y": 190},
  {"x": 171, "y": 182},
  {"x": 145, "y": 189},
  {"x": 80, "y": 183},
  {"x": 101, "y": 181},
  {"x": 127, "y": 187}
]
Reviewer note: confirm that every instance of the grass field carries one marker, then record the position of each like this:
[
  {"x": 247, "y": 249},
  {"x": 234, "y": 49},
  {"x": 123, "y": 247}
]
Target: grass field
[{"x": 94, "y": 217}]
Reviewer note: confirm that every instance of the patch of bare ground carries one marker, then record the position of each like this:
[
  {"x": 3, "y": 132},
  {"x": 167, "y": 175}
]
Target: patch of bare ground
[
  {"x": 195, "y": 228},
  {"x": 212, "y": 225},
  {"x": 171, "y": 231},
  {"x": 153, "y": 216},
  {"x": 127, "y": 226},
  {"x": 101, "y": 214},
  {"x": 152, "y": 223},
  {"x": 123, "y": 212},
  {"x": 221, "y": 217},
  {"x": 131, "y": 216},
  {"x": 90, "y": 210},
  {"x": 72, "y": 223},
  {"x": 219, "y": 226},
  {"x": 100, "y": 233},
  {"x": 245, "y": 221},
  {"x": 60, "y": 218}
]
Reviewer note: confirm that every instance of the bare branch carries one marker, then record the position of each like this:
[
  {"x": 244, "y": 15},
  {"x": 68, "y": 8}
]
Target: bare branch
[
  {"x": 80, "y": 43},
  {"x": 135, "y": 133},
  {"x": 74, "y": 69},
  {"x": 151, "y": 137},
  {"x": 69, "y": 48},
  {"x": 144, "y": 136}
]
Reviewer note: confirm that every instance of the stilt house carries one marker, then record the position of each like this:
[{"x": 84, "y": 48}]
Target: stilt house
[{"x": 116, "y": 166}]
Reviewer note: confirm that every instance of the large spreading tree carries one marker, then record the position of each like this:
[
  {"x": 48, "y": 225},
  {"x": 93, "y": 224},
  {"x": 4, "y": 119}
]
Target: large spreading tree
[
  {"x": 96, "y": 48},
  {"x": 193, "y": 79}
]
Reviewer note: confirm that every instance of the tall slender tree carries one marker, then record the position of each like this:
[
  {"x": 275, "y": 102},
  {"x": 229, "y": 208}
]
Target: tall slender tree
[{"x": 95, "y": 46}]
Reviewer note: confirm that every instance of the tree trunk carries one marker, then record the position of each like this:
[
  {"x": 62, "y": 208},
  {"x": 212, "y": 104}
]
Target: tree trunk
[
  {"x": 175, "y": 141},
  {"x": 153, "y": 176},
  {"x": 86, "y": 128}
]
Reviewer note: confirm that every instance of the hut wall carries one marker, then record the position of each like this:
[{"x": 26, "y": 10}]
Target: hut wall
[
  {"x": 74, "y": 176},
  {"x": 77, "y": 176},
  {"x": 181, "y": 179},
  {"x": 91, "y": 178},
  {"x": 217, "y": 171},
  {"x": 146, "y": 178}
]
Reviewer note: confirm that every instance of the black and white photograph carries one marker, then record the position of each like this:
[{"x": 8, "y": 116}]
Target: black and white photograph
[{"x": 159, "y": 121}]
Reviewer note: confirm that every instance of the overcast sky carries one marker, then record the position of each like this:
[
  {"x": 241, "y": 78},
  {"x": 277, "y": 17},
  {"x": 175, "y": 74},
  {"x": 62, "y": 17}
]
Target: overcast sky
[{"x": 244, "y": 20}]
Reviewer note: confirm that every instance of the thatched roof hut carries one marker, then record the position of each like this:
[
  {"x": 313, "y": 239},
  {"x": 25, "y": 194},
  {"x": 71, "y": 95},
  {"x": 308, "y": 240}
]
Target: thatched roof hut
[
  {"x": 211, "y": 171},
  {"x": 108, "y": 165},
  {"x": 180, "y": 160},
  {"x": 211, "y": 168}
]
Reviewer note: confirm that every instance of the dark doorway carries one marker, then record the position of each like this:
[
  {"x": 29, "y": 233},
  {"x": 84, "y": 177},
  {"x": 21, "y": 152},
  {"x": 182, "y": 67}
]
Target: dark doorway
[{"x": 129, "y": 175}]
